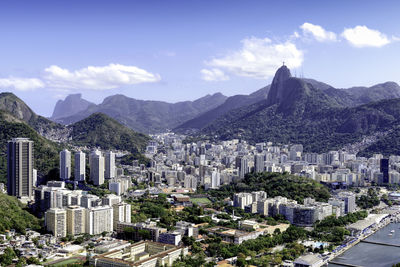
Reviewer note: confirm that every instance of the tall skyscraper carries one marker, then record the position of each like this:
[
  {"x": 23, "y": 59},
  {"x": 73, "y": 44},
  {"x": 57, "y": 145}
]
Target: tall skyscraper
[
  {"x": 20, "y": 168},
  {"x": 110, "y": 165},
  {"x": 65, "y": 165},
  {"x": 97, "y": 168},
  {"x": 56, "y": 221},
  {"x": 385, "y": 170},
  {"x": 80, "y": 166}
]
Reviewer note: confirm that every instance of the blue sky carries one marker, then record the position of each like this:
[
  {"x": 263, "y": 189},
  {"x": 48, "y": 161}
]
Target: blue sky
[{"x": 182, "y": 50}]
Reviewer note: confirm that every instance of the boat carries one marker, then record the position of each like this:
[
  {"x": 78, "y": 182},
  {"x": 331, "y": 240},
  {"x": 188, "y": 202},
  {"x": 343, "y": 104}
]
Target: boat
[
  {"x": 390, "y": 234},
  {"x": 392, "y": 231}
]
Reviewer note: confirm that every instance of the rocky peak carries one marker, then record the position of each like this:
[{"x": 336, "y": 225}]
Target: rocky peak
[
  {"x": 71, "y": 105},
  {"x": 276, "y": 91}
]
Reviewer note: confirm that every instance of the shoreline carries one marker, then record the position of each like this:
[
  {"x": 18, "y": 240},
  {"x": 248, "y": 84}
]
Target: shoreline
[{"x": 352, "y": 243}]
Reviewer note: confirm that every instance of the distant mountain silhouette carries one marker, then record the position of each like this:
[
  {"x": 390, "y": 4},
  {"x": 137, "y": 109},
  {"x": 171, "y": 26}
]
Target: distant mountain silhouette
[
  {"x": 231, "y": 103},
  {"x": 148, "y": 116},
  {"x": 71, "y": 105}
]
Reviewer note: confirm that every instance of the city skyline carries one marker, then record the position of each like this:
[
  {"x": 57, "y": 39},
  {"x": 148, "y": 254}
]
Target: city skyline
[{"x": 176, "y": 51}]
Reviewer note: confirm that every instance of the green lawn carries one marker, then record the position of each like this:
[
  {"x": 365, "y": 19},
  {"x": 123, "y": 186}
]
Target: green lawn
[
  {"x": 200, "y": 200},
  {"x": 63, "y": 263}
]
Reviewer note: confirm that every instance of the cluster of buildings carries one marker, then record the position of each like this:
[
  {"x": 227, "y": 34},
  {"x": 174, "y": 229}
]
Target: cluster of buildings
[
  {"x": 102, "y": 166},
  {"x": 77, "y": 212},
  {"x": 156, "y": 233},
  {"x": 34, "y": 244},
  {"x": 176, "y": 168},
  {"x": 305, "y": 214},
  {"x": 22, "y": 177},
  {"x": 185, "y": 166}
]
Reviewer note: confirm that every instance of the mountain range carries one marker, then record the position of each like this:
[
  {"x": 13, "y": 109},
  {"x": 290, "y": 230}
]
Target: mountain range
[
  {"x": 314, "y": 114},
  {"x": 97, "y": 130},
  {"x": 139, "y": 115}
]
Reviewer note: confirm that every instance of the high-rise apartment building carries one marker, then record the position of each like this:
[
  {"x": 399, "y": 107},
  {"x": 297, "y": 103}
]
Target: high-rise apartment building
[
  {"x": 258, "y": 163},
  {"x": 243, "y": 165},
  {"x": 110, "y": 165},
  {"x": 97, "y": 168},
  {"x": 121, "y": 213},
  {"x": 384, "y": 167},
  {"x": 76, "y": 220},
  {"x": 80, "y": 166},
  {"x": 65, "y": 165},
  {"x": 215, "y": 179},
  {"x": 56, "y": 221},
  {"x": 99, "y": 219},
  {"x": 20, "y": 168}
]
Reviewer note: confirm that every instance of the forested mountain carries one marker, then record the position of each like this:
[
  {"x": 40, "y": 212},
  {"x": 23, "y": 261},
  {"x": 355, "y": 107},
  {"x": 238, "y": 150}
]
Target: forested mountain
[
  {"x": 148, "y": 116},
  {"x": 20, "y": 110},
  {"x": 99, "y": 130},
  {"x": 299, "y": 111},
  {"x": 231, "y": 103},
  {"x": 351, "y": 97}
]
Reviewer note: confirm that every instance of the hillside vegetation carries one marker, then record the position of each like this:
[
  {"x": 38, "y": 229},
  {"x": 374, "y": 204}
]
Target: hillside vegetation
[
  {"x": 14, "y": 216},
  {"x": 99, "y": 130},
  {"x": 297, "y": 111},
  {"x": 277, "y": 184}
]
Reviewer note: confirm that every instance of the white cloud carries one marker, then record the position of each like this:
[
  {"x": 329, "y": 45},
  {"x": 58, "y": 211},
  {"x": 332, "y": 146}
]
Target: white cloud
[
  {"x": 213, "y": 75},
  {"x": 21, "y": 84},
  {"x": 295, "y": 35},
  {"x": 395, "y": 38},
  {"x": 362, "y": 36},
  {"x": 98, "y": 77},
  {"x": 259, "y": 58},
  {"x": 319, "y": 33}
]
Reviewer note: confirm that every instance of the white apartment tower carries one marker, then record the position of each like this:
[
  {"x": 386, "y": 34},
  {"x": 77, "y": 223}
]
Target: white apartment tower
[
  {"x": 80, "y": 166},
  {"x": 97, "y": 168},
  {"x": 215, "y": 179},
  {"x": 110, "y": 165},
  {"x": 65, "y": 165},
  {"x": 99, "y": 219}
]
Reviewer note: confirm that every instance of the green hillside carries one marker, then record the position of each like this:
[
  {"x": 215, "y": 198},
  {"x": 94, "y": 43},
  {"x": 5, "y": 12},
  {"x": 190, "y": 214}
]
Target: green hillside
[
  {"x": 14, "y": 216},
  {"x": 99, "y": 130},
  {"x": 20, "y": 110},
  {"x": 387, "y": 145},
  {"x": 277, "y": 184}
]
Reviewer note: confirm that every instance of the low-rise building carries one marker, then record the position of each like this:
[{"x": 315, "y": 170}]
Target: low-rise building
[{"x": 141, "y": 254}]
